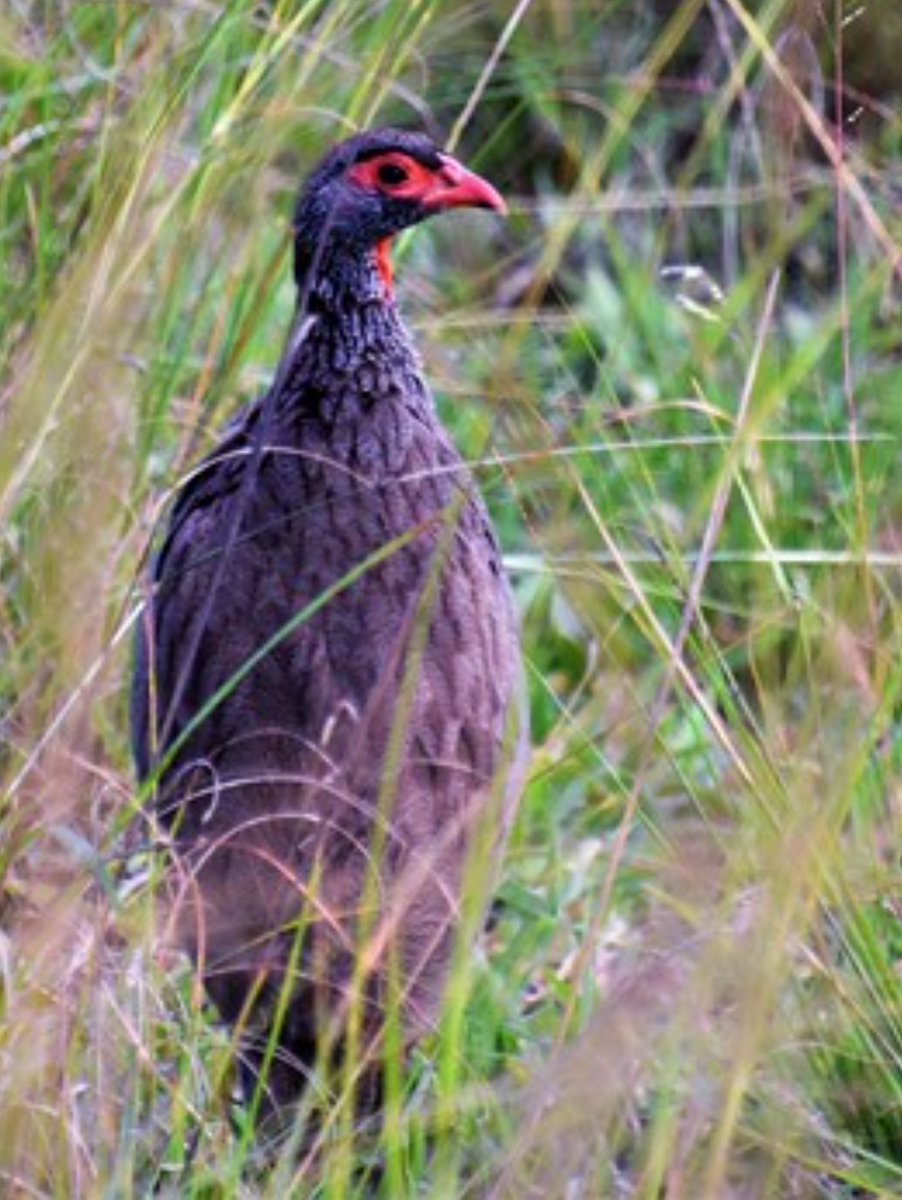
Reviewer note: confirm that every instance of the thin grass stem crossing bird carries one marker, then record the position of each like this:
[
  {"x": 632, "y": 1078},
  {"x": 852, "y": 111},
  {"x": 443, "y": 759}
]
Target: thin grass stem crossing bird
[{"x": 327, "y": 691}]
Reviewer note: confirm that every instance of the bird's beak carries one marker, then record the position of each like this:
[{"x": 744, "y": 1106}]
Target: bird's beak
[{"x": 456, "y": 187}]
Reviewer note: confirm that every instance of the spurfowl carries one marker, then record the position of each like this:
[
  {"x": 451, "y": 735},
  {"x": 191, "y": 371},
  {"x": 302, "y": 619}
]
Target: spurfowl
[{"x": 326, "y": 693}]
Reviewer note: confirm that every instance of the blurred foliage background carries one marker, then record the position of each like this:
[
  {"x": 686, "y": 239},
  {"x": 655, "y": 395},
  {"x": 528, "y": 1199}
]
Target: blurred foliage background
[{"x": 676, "y": 370}]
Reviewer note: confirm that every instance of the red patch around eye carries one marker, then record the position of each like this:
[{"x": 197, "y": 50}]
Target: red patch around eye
[{"x": 417, "y": 181}]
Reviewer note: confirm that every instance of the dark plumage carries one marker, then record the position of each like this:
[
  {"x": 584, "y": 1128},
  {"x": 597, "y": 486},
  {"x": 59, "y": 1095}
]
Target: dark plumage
[{"x": 303, "y": 741}]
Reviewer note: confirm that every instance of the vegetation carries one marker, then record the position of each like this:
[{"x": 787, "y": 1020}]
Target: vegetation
[{"x": 677, "y": 373}]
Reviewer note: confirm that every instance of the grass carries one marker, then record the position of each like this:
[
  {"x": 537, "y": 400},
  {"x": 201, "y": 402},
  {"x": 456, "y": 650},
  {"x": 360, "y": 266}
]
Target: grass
[{"x": 690, "y": 986}]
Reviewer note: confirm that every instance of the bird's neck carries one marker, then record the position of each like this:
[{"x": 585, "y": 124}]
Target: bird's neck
[
  {"x": 335, "y": 279},
  {"x": 350, "y": 353}
]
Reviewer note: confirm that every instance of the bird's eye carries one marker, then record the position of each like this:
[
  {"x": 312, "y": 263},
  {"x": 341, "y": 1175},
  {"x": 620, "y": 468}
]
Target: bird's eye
[{"x": 391, "y": 174}]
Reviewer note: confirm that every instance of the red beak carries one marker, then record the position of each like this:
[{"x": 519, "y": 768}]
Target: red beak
[{"x": 456, "y": 187}]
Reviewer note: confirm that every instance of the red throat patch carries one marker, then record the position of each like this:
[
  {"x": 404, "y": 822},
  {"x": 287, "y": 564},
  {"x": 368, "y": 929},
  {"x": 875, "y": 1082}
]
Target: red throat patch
[{"x": 383, "y": 262}]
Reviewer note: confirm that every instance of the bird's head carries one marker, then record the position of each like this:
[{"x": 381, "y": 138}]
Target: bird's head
[{"x": 373, "y": 186}]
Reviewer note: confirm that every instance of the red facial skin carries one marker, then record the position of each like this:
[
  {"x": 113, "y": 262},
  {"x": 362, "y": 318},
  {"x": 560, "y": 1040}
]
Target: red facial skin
[
  {"x": 450, "y": 185},
  {"x": 384, "y": 263}
]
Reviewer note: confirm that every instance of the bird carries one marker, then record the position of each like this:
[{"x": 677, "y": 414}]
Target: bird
[{"x": 327, "y": 700}]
